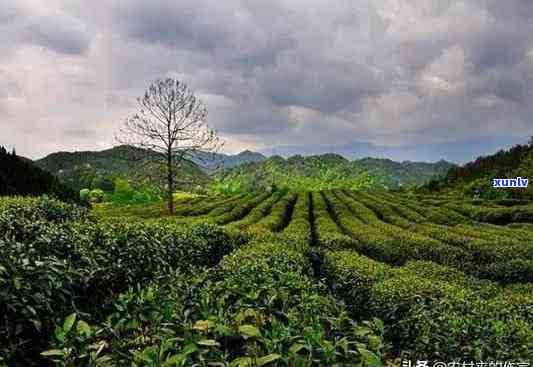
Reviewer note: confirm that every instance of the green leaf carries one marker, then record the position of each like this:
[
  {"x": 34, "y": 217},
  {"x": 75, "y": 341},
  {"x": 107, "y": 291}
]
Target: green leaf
[
  {"x": 174, "y": 360},
  {"x": 69, "y": 322},
  {"x": 370, "y": 358},
  {"x": 249, "y": 331},
  {"x": 295, "y": 348},
  {"x": 59, "y": 334},
  {"x": 241, "y": 362},
  {"x": 379, "y": 323},
  {"x": 209, "y": 343},
  {"x": 82, "y": 328},
  {"x": 188, "y": 349},
  {"x": 203, "y": 325},
  {"x": 53, "y": 353},
  {"x": 263, "y": 361}
]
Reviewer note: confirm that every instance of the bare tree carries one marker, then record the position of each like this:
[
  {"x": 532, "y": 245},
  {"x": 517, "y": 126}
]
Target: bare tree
[{"x": 171, "y": 125}]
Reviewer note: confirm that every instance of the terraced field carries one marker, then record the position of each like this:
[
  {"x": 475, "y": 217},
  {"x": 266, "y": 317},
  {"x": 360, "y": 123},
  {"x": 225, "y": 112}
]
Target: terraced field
[
  {"x": 449, "y": 279},
  {"x": 333, "y": 278}
]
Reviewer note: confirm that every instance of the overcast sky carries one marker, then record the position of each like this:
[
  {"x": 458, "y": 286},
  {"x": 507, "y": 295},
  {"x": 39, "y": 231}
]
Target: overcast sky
[{"x": 389, "y": 72}]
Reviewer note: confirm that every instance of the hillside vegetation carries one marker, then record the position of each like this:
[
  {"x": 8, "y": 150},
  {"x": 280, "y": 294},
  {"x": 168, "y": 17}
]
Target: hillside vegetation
[
  {"x": 474, "y": 179},
  {"x": 329, "y": 171},
  {"x": 81, "y": 170},
  {"x": 19, "y": 176},
  {"x": 267, "y": 279}
]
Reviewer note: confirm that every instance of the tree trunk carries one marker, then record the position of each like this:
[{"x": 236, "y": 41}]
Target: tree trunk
[{"x": 170, "y": 184}]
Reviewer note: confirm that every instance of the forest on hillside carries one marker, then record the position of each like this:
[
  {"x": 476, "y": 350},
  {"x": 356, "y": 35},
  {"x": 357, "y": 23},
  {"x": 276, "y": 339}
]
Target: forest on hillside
[
  {"x": 474, "y": 179},
  {"x": 19, "y": 176}
]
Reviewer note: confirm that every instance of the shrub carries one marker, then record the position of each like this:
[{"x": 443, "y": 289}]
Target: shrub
[
  {"x": 300, "y": 224},
  {"x": 84, "y": 195},
  {"x": 259, "y": 306},
  {"x": 239, "y": 210},
  {"x": 279, "y": 216},
  {"x": 56, "y": 260},
  {"x": 432, "y": 312}
]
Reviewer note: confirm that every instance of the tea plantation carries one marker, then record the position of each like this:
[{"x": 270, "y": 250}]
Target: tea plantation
[{"x": 331, "y": 278}]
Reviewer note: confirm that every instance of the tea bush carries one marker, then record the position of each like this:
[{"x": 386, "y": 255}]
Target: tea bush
[
  {"x": 279, "y": 216},
  {"x": 431, "y": 313},
  {"x": 56, "y": 260},
  {"x": 260, "y": 306}
]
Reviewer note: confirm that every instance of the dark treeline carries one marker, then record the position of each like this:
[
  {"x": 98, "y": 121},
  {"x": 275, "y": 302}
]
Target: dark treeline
[
  {"x": 476, "y": 177},
  {"x": 19, "y": 176},
  {"x": 498, "y": 164}
]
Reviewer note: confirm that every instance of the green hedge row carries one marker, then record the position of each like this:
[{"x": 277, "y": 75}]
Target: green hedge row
[
  {"x": 257, "y": 213},
  {"x": 383, "y": 210},
  {"x": 260, "y": 306},
  {"x": 495, "y": 215},
  {"x": 300, "y": 225},
  {"x": 328, "y": 233},
  {"x": 239, "y": 210},
  {"x": 402, "y": 209},
  {"x": 213, "y": 207},
  {"x": 389, "y": 243},
  {"x": 359, "y": 210},
  {"x": 279, "y": 216},
  {"x": 506, "y": 261},
  {"x": 433, "y": 212},
  {"x": 434, "y": 312}
]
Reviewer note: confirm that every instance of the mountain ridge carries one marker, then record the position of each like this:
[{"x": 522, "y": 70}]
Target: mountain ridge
[
  {"x": 328, "y": 171},
  {"x": 461, "y": 151}
]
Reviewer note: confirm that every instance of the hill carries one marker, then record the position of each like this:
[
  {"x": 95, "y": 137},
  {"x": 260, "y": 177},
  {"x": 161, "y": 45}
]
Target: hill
[
  {"x": 19, "y": 176},
  {"x": 91, "y": 169},
  {"x": 475, "y": 178},
  {"x": 211, "y": 161},
  {"x": 330, "y": 171}
]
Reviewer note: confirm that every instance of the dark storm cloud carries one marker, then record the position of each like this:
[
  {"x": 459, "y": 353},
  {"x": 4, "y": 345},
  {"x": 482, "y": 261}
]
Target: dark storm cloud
[{"x": 272, "y": 73}]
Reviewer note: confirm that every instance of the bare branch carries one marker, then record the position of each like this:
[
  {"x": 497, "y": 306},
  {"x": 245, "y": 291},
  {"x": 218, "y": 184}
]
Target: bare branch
[{"x": 171, "y": 125}]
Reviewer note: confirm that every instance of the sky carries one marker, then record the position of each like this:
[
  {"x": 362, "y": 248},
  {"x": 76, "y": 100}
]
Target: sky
[{"x": 272, "y": 73}]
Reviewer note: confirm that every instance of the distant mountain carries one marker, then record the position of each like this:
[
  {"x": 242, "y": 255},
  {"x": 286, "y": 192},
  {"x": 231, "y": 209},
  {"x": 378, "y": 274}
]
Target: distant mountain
[
  {"x": 19, "y": 176},
  {"x": 88, "y": 169},
  {"x": 330, "y": 171},
  {"x": 459, "y": 152},
  {"x": 475, "y": 178},
  {"x": 213, "y": 161}
]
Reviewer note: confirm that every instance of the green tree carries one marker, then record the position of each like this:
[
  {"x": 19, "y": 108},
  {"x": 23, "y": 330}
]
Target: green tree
[
  {"x": 123, "y": 191},
  {"x": 84, "y": 195}
]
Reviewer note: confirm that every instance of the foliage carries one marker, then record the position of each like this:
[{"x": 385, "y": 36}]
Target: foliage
[
  {"x": 125, "y": 193},
  {"x": 474, "y": 179},
  {"x": 429, "y": 316},
  {"x": 237, "y": 315},
  {"x": 287, "y": 282},
  {"x": 326, "y": 172},
  {"x": 99, "y": 170},
  {"x": 19, "y": 176},
  {"x": 56, "y": 260}
]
